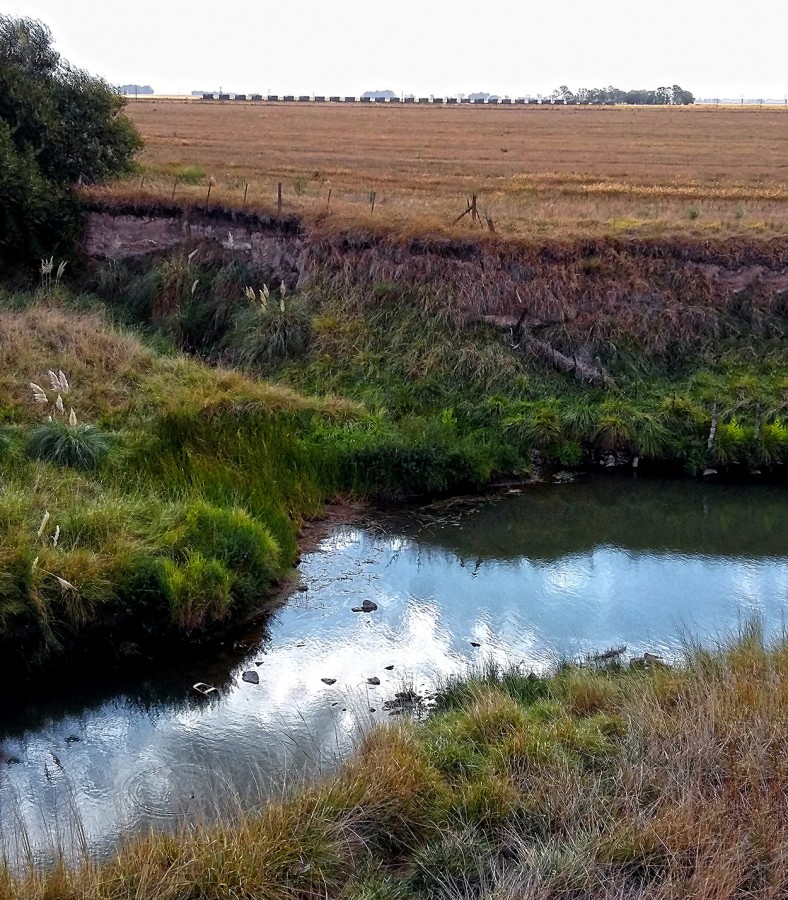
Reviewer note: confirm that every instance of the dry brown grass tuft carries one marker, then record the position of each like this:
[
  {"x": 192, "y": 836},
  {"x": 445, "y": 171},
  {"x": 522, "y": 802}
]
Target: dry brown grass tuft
[{"x": 106, "y": 365}]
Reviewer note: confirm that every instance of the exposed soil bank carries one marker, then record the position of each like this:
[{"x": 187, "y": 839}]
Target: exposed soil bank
[{"x": 570, "y": 303}]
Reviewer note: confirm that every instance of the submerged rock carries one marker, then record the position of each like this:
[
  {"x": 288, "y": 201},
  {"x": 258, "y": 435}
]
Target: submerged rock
[{"x": 251, "y": 677}]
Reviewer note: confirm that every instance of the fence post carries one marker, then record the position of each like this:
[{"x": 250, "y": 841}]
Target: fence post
[
  {"x": 279, "y": 198},
  {"x": 246, "y": 191},
  {"x": 372, "y": 197},
  {"x": 174, "y": 185},
  {"x": 328, "y": 201},
  {"x": 208, "y": 197}
]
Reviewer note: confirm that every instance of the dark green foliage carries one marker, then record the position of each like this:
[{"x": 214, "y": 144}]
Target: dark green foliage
[
  {"x": 58, "y": 126},
  {"x": 38, "y": 216},
  {"x": 81, "y": 446}
]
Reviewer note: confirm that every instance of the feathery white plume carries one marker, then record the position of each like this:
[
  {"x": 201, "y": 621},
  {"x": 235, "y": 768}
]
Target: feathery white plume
[{"x": 39, "y": 394}]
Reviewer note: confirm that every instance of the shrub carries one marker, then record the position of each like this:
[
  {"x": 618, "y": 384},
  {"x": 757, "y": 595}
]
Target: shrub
[
  {"x": 58, "y": 125},
  {"x": 79, "y": 446}
]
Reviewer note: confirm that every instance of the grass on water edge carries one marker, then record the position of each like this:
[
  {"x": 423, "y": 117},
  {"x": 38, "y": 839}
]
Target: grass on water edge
[
  {"x": 146, "y": 495},
  {"x": 602, "y": 781},
  {"x": 182, "y": 501}
]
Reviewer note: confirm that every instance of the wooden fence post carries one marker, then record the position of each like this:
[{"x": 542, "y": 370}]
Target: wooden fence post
[{"x": 279, "y": 198}]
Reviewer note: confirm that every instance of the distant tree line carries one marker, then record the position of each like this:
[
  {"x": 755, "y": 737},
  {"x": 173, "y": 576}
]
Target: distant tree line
[{"x": 661, "y": 96}]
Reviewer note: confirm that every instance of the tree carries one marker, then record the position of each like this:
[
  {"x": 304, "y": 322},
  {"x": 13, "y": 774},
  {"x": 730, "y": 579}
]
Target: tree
[{"x": 59, "y": 126}]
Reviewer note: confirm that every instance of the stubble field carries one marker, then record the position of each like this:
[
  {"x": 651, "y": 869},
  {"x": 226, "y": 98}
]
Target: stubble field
[{"x": 537, "y": 171}]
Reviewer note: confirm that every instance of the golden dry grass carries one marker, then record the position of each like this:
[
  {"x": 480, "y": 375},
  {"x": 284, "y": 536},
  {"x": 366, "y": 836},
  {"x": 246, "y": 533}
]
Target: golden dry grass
[
  {"x": 659, "y": 783},
  {"x": 537, "y": 170}
]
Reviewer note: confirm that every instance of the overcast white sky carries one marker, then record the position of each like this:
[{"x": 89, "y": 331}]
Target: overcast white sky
[{"x": 425, "y": 47}]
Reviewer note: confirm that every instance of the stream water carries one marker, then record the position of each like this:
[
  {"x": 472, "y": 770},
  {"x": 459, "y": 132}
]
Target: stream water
[{"x": 530, "y": 577}]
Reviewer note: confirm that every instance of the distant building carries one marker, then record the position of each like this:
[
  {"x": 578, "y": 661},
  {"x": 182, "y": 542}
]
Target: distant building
[{"x": 136, "y": 89}]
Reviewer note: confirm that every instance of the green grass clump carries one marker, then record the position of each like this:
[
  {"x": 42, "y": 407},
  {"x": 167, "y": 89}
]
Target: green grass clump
[
  {"x": 187, "y": 530},
  {"x": 262, "y": 338},
  {"x": 80, "y": 446}
]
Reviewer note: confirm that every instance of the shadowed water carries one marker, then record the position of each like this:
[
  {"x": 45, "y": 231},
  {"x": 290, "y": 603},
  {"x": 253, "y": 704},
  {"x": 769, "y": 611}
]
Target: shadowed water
[{"x": 531, "y": 577}]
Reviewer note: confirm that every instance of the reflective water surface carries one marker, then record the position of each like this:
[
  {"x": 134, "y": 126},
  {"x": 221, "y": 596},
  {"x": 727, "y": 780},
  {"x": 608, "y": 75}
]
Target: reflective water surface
[{"x": 550, "y": 572}]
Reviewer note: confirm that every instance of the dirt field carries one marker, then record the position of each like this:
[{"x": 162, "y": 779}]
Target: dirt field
[{"x": 536, "y": 170}]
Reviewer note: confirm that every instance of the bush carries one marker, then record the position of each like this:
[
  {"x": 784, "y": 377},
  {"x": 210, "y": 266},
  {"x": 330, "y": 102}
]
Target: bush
[
  {"x": 78, "y": 446},
  {"x": 58, "y": 126}
]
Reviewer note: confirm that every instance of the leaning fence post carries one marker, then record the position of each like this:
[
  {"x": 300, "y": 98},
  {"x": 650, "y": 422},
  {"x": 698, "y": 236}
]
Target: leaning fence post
[
  {"x": 174, "y": 185},
  {"x": 246, "y": 191}
]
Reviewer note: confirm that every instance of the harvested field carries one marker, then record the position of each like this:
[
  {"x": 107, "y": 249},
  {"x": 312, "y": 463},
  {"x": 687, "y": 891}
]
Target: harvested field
[{"x": 537, "y": 171}]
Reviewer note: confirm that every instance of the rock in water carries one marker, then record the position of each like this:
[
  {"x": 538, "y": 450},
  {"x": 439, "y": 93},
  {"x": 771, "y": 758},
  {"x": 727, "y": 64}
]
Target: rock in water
[
  {"x": 251, "y": 677},
  {"x": 366, "y": 606},
  {"x": 374, "y": 680},
  {"x": 329, "y": 680}
]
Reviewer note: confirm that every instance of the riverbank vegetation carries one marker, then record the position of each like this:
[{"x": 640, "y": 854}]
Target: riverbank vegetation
[
  {"x": 145, "y": 494},
  {"x": 602, "y": 353},
  {"x": 602, "y": 780},
  {"x": 154, "y": 482}
]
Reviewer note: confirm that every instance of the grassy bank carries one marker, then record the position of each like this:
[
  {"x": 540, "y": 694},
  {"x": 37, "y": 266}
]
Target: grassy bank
[
  {"x": 146, "y": 496},
  {"x": 475, "y": 360},
  {"x": 155, "y": 494},
  {"x": 598, "y": 781}
]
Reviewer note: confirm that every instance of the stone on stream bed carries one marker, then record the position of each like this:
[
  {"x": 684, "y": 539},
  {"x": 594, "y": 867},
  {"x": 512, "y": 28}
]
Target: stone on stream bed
[
  {"x": 366, "y": 606},
  {"x": 329, "y": 680},
  {"x": 374, "y": 681},
  {"x": 251, "y": 677}
]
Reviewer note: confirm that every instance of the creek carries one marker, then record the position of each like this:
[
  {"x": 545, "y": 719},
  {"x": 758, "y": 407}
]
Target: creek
[{"x": 529, "y": 576}]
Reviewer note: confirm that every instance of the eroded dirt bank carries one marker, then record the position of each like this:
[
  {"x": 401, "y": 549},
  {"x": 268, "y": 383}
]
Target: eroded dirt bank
[{"x": 580, "y": 293}]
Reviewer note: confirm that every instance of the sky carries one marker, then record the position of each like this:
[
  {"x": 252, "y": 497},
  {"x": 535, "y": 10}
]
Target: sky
[{"x": 424, "y": 48}]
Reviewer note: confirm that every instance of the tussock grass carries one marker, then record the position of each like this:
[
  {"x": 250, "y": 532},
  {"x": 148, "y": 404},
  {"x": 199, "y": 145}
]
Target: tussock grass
[{"x": 625, "y": 782}]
